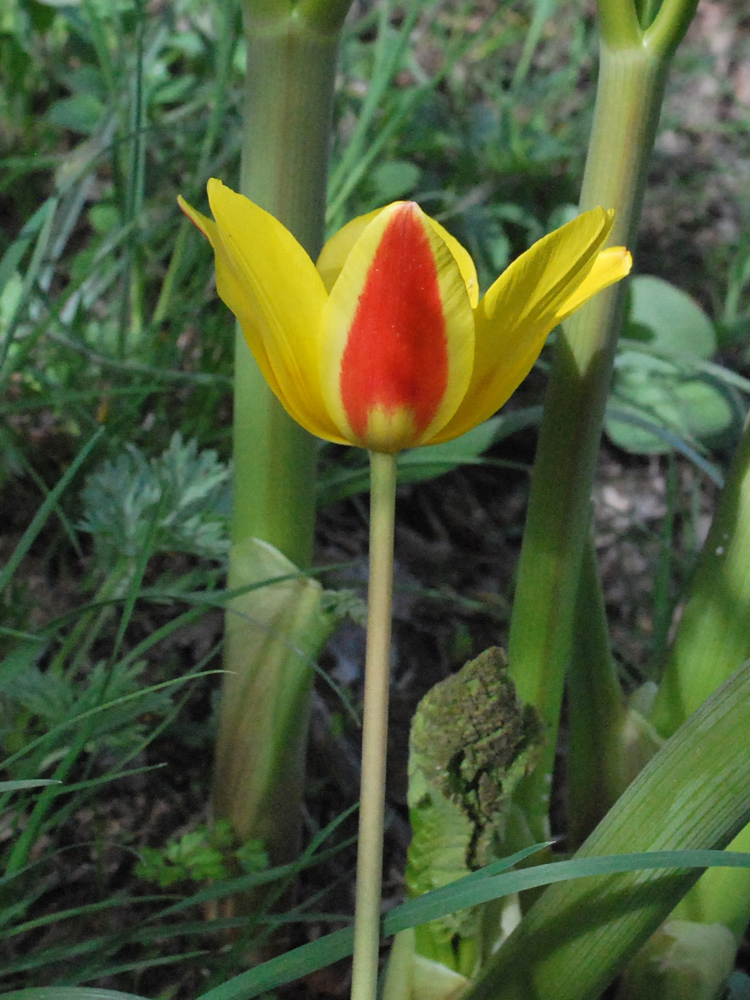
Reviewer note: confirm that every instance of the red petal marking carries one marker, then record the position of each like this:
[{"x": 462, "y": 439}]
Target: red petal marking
[{"x": 396, "y": 355}]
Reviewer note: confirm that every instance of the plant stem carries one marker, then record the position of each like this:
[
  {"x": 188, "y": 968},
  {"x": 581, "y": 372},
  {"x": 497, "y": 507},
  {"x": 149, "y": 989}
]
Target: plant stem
[
  {"x": 374, "y": 728},
  {"x": 631, "y": 84},
  {"x": 274, "y": 632},
  {"x": 289, "y": 95}
]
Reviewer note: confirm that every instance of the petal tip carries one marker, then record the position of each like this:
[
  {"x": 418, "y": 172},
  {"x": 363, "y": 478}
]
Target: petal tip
[
  {"x": 621, "y": 256},
  {"x": 195, "y": 217}
]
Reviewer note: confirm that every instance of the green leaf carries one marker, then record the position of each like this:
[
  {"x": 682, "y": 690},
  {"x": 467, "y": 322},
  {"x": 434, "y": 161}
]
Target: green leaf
[
  {"x": 668, "y": 319},
  {"x": 12, "y": 786},
  {"x": 394, "y": 179},
  {"x": 12, "y": 257},
  {"x": 692, "y": 795},
  {"x": 665, "y": 383},
  {"x": 623, "y": 415},
  {"x": 69, "y": 993},
  {"x": 479, "y": 887},
  {"x": 471, "y": 742},
  {"x": 80, "y": 113},
  {"x": 694, "y": 405},
  {"x": 42, "y": 16},
  {"x": 187, "y": 491}
]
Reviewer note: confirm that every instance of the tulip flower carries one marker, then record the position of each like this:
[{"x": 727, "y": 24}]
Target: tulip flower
[{"x": 385, "y": 344}]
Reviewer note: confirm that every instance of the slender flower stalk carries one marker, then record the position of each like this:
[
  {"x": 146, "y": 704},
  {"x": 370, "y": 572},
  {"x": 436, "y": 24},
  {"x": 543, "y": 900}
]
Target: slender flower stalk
[
  {"x": 374, "y": 728},
  {"x": 385, "y": 344}
]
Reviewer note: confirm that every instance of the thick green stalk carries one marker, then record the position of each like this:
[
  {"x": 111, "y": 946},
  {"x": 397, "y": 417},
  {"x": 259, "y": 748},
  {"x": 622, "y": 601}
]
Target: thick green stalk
[
  {"x": 273, "y": 632},
  {"x": 693, "y": 794},
  {"x": 631, "y": 84},
  {"x": 289, "y": 94},
  {"x": 374, "y": 728}
]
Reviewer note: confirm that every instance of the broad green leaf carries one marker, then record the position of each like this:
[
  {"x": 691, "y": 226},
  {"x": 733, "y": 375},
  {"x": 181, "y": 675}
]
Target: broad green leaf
[
  {"x": 80, "y": 113},
  {"x": 693, "y": 405},
  {"x": 13, "y": 786},
  {"x": 394, "y": 179},
  {"x": 471, "y": 742},
  {"x": 668, "y": 319}
]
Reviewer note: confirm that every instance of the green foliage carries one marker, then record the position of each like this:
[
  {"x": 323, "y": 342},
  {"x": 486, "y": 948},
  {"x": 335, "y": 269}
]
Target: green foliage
[
  {"x": 177, "y": 502},
  {"x": 34, "y": 702},
  {"x": 204, "y": 853},
  {"x": 480, "y": 140},
  {"x": 669, "y": 388},
  {"x": 739, "y": 986},
  {"x": 484, "y": 886}
]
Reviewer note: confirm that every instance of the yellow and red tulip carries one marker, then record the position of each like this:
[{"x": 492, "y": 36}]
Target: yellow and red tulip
[{"x": 384, "y": 342}]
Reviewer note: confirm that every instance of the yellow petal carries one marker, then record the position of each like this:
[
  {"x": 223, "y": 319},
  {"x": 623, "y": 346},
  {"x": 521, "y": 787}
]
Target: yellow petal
[
  {"x": 462, "y": 258},
  {"x": 397, "y": 353},
  {"x": 232, "y": 293},
  {"x": 523, "y": 306},
  {"x": 270, "y": 283},
  {"x": 333, "y": 255},
  {"x": 610, "y": 266},
  {"x": 337, "y": 249}
]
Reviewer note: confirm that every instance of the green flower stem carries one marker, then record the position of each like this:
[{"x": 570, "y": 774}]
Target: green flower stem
[
  {"x": 289, "y": 95},
  {"x": 630, "y": 90},
  {"x": 374, "y": 728},
  {"x": 693, "y": 794},
  {"x": 273, "y": 637}
]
